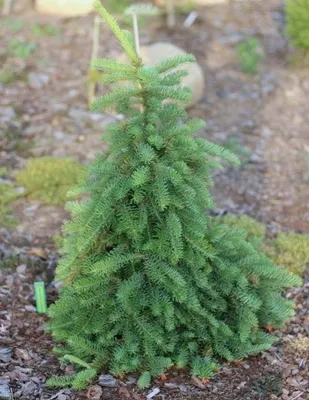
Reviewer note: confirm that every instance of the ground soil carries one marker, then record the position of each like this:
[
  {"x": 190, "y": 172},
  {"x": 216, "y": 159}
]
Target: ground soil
[{"x": 266, "y": 115}]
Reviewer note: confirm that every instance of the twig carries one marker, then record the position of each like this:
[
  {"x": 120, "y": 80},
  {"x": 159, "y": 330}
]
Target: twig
[
  {"x": 94, "y": 55},
  {"x": 171, "y": 17},
  {"x": 136, "y": 33},
  {"x": 7, "y": 7}
]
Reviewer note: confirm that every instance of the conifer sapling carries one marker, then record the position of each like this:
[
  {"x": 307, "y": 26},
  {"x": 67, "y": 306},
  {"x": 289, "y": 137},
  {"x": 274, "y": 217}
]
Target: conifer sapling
[{"x": 149, "y": 281}]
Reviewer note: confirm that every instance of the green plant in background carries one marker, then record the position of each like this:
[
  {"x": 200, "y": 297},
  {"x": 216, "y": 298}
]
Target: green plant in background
[
  {"x": 255, "y": 231},
  {"x": 14, "y": 25},
  {"x": 297, "y": 23},
  {"x": 149, "y": 282},
  {"x": 45, "y": 30},
  {"x": 7, "y": 195},
  {"x": 7, "y": 76},
  {"x": 20, "y": 49},
  {"x": 291, "y": 251},
  {"x": 48, "y": 179},
  {"x": 250, "y": 55}
]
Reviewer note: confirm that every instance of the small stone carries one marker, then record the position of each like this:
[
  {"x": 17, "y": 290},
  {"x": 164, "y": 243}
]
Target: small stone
[
  {"x": 295, "y": 371},
  {"x": 153, "y": 393},
  {"x": 5, "y": 391},
  {"x": 30, "y": 308},
  {"x": 246, "y": 366},
  {"x": 37, "y": 81},
  {"x": 7, "y": 114},
  {"x": 62, "y": 396},
  {"x": 171, "y": 385},
  {"x": 68, "y": 8},
  {"x": 108, "y": 381},
  {"x": 59, "y": 108},
  {"x": 28, "y": 389},
  {"x": 131, "y": 380},
  {"x": 256, "y": 159},
  {"x": 5, "y": 354},
  {"x": 241, "y": 385},
  {"x": 79, "y": 114},
  {"x": 21, "y": 269},
  {"x": 183, "y": 388}
]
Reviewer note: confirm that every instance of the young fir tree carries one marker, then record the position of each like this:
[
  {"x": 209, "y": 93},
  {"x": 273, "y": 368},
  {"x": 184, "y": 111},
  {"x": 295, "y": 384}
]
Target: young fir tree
[{"x": 149, "y": 281}]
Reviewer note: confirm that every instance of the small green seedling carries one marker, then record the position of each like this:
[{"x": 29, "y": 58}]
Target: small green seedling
[
  {"x": 44, "y": 30},
  {"x": 14, "y": 25},
  {"x": 250, "y": 55},
  {"x": 20, "y": 49},
  {"x": 40, "y": 297}
]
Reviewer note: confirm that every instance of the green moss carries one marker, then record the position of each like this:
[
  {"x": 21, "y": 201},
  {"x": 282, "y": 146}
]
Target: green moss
[
  {"x": 297, "y": 27},
  {"x": 256, "y": 231},
  {"x": 7, "y": 76},
  {"x": 291, "y": 251},
  {"x": 7, "y": 195},
  {"x": 48, "y": 179},
  {"x": 3, "y": 172}
]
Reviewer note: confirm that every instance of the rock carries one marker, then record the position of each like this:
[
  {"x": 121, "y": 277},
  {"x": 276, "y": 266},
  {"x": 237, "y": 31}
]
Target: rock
[
  {"x": 5, "y": 354},
  {"x": 7, "y": 114},
  {"x": 28, "y": 389},
  {"x": 5, "y": 391},
  {"x": 37, "y": 81},
  {"x": 68, "y": 8},
  {"x": 171, "y": 385},
  {"x": 30, "y": 308},
  {"x": 21, "y": 269},
  {"x": 153, "y": 393},
  {"x": 256, "y": 159},
  {"x": 183, "y": 388},
  {"x": 158, "y": 52},
  {"x": 108, "y": 381}
]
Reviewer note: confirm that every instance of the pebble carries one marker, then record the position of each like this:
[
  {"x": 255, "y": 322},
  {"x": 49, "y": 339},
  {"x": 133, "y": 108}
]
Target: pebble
[
  {"x": 108, "y": 381},
  {"x": 37, "y": 81},
  {"x": 28, "y": 389},
  {"x": 7, "y": 114},
  {"x": 153, "y": 393},
  {"x": 21, "y": 269},
  {"x": 5, "y": 391},
  {"x": 171, "y": 385},
  {"x": 5, "y": 354},
  {"x": 183, "y": 388},
  {"x": 30, "y": 308}
]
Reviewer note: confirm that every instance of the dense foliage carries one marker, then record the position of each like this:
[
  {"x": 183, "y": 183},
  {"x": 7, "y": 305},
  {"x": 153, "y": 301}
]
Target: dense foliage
[
  {"x": 297, "y": 28},
  {"x": 149, "y": 281}
]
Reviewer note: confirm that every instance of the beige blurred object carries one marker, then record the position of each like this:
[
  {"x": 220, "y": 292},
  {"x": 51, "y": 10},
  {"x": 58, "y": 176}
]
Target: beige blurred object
[
  {"x": 211, "y": 2},
  {"x": 157, "y": 52},
  {"x": 65, "y": 8}
]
